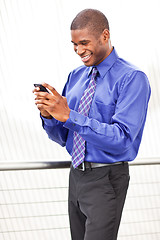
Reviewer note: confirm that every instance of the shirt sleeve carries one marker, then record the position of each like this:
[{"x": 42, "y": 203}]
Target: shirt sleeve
[
  {"x": 55, "y": 130},
  {"x": 127, "y": 120}
]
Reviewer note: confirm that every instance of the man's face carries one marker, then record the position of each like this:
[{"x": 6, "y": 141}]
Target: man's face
[{"x": 90, "y": 48}]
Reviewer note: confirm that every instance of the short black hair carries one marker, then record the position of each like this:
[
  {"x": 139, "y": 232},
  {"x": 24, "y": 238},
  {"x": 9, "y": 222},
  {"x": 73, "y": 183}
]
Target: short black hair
[{"x": 92, "y": 19}]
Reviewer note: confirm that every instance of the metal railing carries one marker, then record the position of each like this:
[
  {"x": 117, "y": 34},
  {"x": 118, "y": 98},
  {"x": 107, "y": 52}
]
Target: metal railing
[{"x": 12, "y": 166}]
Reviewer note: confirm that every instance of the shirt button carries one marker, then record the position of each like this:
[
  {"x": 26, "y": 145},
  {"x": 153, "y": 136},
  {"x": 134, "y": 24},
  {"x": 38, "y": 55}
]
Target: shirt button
[{"x": 75, "y": 119}]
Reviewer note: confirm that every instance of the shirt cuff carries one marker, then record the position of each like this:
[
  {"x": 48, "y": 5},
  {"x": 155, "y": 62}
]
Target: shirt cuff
[
  {"x": 47, "y": 122},
  {"x": 75, "y": 121}
]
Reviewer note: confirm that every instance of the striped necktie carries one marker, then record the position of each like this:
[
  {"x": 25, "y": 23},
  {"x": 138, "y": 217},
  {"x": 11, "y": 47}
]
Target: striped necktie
[{"x": 78, "y": 152}]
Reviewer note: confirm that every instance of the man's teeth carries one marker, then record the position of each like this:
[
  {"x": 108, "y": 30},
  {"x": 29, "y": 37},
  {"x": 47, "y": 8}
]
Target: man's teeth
[{"x": 86, "y": 57}]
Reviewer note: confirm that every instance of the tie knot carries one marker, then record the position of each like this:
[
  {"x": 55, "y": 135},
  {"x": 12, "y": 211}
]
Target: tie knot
[{"x": 94, "y": 73}]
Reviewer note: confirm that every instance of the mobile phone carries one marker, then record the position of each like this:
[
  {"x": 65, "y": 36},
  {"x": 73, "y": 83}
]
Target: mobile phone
[{"x": 42, "y": 88}]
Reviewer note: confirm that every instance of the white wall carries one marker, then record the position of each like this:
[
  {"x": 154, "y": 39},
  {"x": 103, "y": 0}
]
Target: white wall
[{"x": 35, "y": 46}]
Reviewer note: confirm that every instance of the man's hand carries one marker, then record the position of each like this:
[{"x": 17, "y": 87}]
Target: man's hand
[
  {"x": 52, "y": 104},
  {"x": 44, "y": 113}
]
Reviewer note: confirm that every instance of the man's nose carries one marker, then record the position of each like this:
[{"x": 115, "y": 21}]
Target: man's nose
[{"x": 80, "y": 50}]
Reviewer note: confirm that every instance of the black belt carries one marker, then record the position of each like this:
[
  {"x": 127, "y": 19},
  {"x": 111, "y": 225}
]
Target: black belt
[{"x": 89, "y": 165}]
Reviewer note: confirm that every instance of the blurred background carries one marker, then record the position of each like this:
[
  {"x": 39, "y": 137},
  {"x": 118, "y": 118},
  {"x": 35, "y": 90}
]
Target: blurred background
[{"x": 35, "y": 47}]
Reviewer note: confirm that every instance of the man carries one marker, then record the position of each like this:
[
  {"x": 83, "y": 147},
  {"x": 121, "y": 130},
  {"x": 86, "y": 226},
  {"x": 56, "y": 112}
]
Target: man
[{"x": 100, "y": 119}]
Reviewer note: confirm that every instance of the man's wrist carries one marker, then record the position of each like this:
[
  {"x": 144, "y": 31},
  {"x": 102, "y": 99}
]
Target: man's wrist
[
  {"x": 47, "y": 117},
  {"x": 66, "y": 117}
]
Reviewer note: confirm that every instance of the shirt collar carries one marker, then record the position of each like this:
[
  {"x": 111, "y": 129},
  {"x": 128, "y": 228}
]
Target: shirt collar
[{"x": 106, "y": 64}]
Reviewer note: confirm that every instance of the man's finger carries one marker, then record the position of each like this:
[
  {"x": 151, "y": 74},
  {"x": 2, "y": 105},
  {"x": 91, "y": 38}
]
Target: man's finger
[
  {"x": 40, "y": 94},
  {"x": 52, "y": 89},
  {"x": 42, "y": 102},
  {"x": 36, "y": 89}
]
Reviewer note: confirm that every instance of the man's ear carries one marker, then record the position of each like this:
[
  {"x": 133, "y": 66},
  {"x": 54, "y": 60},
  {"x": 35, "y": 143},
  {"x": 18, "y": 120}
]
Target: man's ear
[{"x": 106, "y": 34}]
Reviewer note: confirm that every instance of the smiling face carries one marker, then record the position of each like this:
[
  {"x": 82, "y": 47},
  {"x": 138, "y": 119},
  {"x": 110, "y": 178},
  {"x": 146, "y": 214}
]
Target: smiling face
[{"x": 92, "y": 49}]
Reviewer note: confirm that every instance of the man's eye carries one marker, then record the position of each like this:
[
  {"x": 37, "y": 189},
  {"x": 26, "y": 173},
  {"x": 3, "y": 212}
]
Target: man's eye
[{"x": 84, "y": 43}]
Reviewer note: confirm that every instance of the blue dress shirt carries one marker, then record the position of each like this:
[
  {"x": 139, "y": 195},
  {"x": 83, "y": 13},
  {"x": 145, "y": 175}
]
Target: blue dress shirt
[{"x": 114, "y": 127}]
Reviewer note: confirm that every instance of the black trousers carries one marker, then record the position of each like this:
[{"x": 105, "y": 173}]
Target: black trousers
[{"x": 96, "y": 200}]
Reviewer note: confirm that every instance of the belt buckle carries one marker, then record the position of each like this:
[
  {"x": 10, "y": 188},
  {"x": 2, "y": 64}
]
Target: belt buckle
[{"x": 83, "y": 168}]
